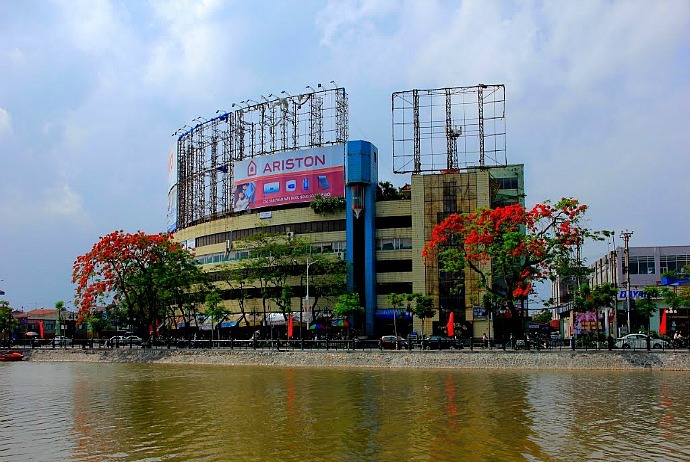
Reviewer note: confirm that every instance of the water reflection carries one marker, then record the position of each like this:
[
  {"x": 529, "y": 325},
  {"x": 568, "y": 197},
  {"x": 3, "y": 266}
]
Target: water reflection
[{"x": 94, "y": 412}]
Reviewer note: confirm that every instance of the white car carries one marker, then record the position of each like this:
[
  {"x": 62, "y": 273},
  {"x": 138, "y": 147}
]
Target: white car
[
  {"x": 639, "y": 341},
  {"x": 117, "y": 340},
  {"x": 133, "y": 339},
  {"x": 62, "y": 341}
]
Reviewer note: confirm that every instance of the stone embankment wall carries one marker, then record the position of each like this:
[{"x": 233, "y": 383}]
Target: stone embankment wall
[{"x": 477, "y": 359}]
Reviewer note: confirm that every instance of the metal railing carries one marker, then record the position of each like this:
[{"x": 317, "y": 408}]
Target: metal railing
[{"x": 357, "y": 344}]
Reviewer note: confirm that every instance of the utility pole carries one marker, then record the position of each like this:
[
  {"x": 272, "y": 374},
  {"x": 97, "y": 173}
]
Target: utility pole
[{"x": 625, "y": 235}]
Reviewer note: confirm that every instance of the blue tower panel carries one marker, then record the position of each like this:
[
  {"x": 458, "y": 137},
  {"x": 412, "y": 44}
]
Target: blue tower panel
[
  {"x": 361, "y": 170},
  {"x": 360, "y": 157}
]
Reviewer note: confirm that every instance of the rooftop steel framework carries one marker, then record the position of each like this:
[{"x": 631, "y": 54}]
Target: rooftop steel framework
[
  {"x": 206, "y": 152},
  {"x": 448, "y": 129}
]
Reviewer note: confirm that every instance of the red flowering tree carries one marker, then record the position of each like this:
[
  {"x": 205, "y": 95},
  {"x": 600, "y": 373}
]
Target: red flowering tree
[
  {"x": 510, "y": 247},
  {"x": 143, "y": 275}
]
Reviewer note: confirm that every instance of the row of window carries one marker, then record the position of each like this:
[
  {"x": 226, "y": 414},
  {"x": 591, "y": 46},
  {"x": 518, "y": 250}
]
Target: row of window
[
  {"x": 300, "y": 228},
  {"x": 256, "y": 292},
  {"x": 320, "y": 247},
  {"x": 234, "y": 255},
  {"x": 641, "y": 264},
  {"x": 297, "y": 228},
  {"x": 394, "y": 244},
  {"x": 675, "y": 263},
  {"x": 645, "y": 264}
]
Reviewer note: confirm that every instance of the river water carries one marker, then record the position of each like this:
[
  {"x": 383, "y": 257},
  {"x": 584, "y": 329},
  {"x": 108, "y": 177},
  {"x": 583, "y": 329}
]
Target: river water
[{"x": 143, "y": 412}]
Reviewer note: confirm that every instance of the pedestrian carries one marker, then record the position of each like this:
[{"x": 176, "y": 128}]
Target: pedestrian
[{"x": 485, "y": 341}]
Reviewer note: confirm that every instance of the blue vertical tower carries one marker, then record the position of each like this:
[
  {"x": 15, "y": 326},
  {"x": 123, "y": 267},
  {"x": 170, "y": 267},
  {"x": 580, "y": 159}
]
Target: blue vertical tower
[{"x": 361, "y": 183}]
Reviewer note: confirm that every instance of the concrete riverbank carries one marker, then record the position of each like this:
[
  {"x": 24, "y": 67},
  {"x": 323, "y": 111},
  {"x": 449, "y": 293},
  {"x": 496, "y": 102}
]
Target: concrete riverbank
[{"x": 465, "y": 359}]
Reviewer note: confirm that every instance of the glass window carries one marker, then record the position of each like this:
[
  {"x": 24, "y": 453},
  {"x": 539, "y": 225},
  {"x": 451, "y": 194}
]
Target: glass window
[
  {"x": 386, "y": 244},
  {"x": 394, "y": 222},
  {"x": 675, "y": 263},
  {"x": 508, "y": 183},
  {"x": 642, "y": 264},
  {"x": 393, "y": 266},
  {"x": 406, "y": 243}
]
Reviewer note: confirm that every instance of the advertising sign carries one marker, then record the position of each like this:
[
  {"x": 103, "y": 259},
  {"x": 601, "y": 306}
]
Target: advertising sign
[
  {"x": 585, "y": 322},
  {"x": 289, "y": 177},
  {"x": 171, "y": 217}
]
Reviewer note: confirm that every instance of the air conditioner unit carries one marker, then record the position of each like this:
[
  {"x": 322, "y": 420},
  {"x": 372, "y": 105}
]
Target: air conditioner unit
[
  {"x": 290, "y": 235},
  {"x": 228, "y": 245},
  {"x": 341, "y": 255}
]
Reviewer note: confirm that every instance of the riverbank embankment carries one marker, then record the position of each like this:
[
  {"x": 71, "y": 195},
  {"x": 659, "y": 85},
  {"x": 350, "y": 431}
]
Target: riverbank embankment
[{"x": 466, "y": 359}]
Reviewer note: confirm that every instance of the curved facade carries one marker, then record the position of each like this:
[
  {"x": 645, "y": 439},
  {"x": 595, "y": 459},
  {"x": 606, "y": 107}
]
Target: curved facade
[{"x": 381, "y": 241}]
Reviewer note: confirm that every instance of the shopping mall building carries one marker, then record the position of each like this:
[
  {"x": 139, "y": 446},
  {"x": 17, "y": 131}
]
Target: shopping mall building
[{"x": 268, "y": 189}]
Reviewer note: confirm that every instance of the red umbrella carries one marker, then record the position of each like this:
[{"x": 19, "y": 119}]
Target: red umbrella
[
  {"x": 451, "y": 324},
  {"x": 662, "y": 325}
]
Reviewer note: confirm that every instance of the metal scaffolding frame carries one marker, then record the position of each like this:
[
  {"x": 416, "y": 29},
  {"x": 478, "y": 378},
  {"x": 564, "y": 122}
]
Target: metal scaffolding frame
[
  {"x": 448, "y": 129},
  {"x": 206, "y": 152}
]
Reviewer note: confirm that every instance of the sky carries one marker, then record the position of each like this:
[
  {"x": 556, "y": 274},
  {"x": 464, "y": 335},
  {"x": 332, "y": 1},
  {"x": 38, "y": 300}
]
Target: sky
[{"x": 91, "y": 91}]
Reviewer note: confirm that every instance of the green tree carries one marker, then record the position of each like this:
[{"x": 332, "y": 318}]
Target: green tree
[
  {"x": 98, "y": 324},
  {"x": 544, "y": 316},
  {"x": 271, "y": 263},
  {"x": 423, "y": 308},
  {"x": 646, "y": 306},
  {"x": 214, "y": 310},
  {"x": 60, "y": 308},
  {"x": 143, "y": 274},
  {"x": 7, "y": 322},
  {"x": 348, "y": 305},
  {"x": 510, "y": 248},
  {"x": 327, "y": 205},
  {"x": 276, "y": 261},
  {"x": 676, "y": 298},
  {"x": 594, "y": 299},
  {"x": 396, "y": 301},
  {"x": 238, "y": 280},
  {"x": 387, "y": 192}
]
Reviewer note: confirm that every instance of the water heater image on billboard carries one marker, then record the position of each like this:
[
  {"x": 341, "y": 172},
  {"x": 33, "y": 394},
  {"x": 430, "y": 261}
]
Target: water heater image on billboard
[{"x": 289, "y": 177}]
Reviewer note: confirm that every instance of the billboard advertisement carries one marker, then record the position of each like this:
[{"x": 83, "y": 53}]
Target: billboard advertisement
[
  {"x": 585, "y": 323},
  {"x": 171, "y": 216},
  {"x": 289, "y": 177}
]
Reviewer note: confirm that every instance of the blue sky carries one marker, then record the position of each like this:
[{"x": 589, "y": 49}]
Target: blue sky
[{"x": 597, "y": 98}]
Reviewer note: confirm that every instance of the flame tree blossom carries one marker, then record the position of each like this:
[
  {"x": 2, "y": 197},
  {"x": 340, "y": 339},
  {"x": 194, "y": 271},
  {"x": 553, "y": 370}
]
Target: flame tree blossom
[
  {"x": 141, "y": 274},
  {"x": 510, "y": 247}
]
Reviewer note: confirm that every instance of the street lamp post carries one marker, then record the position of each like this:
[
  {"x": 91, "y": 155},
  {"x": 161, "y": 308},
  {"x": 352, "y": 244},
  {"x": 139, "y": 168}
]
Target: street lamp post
[
  {"x": 306, "y": 299},
  {"x": 625, "y": 235}
]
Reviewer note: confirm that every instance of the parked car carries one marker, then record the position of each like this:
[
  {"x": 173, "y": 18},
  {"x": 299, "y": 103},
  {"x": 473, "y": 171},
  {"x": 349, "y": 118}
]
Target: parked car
[
  {"x": 118, "y": 340},
  {"x": 62, "y": 340},
  {"x": 439, "y": 342},
  {"x": 391, "y": 342},
  {"x": 133, "y": 339},
  {"x": 639, "y": 341}
]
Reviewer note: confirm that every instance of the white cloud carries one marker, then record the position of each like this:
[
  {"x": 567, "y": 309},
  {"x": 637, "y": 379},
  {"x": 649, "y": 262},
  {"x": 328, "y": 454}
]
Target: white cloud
[
  {"x": 57, "y": 204},
  {"x": 96, "y": 27},
  {"x": 5, "y": 123},
  {"x": 196, "y": 48},
  {"x": 62, "y": 202},
  {"x": 16, "y": 56}
]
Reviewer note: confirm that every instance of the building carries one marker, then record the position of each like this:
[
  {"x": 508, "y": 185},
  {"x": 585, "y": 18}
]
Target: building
[
  {"x": 257, "y": 169},
  {"x": 48, "y": 323},
  {"x": 382, "y": 245},
  {"x": 648, "y": 266}
]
